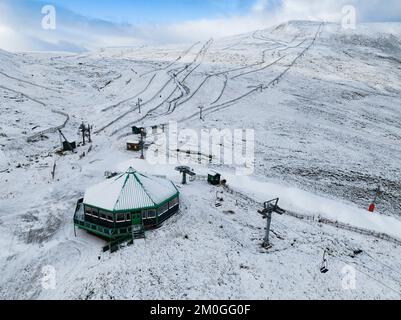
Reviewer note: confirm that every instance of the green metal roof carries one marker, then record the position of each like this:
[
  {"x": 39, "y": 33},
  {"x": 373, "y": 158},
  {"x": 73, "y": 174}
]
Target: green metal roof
[{"x": 130, "y": 191}]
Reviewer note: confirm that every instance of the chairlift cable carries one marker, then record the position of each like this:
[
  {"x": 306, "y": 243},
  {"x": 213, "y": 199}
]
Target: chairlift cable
[
  {"x": 314, "y": 226},
  {"x": 347, "y": 263}
]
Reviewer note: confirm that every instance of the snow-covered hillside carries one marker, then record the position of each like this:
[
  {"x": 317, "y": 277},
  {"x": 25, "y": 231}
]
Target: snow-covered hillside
[{"x": 325, "y": 107}]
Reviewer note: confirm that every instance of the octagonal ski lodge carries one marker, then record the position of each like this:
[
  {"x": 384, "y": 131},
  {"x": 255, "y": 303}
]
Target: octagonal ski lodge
[{"x": 126, "y": 204}]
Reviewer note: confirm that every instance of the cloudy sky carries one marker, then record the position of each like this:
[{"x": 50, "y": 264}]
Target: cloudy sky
[{"x": 87, "y": 24}]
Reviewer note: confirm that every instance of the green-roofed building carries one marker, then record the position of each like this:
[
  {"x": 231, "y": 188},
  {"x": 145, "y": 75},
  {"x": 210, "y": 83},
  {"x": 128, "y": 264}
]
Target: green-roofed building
[{"x": 126, "y": 204}]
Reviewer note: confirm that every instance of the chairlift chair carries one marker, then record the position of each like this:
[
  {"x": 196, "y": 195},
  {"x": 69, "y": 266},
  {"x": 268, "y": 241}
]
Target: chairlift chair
[
  {"x": 192, "y": 178},
  {"x": 324, "y": 268}
]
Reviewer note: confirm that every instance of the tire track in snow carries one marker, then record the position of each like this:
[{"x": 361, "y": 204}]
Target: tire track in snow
[
  {"x": 261, "y": 87},
  {"x": 198, "y": 57},
  {"x": 172, "y": 63},
  {"x": 205, "y": 47},
  {"x": 131, "y": 98},
  {"x": 260, "y": 69}
]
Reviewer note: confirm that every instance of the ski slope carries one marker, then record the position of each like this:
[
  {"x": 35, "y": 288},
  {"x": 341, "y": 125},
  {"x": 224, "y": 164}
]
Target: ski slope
[{"x": 324, "y": 105}]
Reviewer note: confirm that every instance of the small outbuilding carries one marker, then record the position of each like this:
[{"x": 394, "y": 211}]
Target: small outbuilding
[
  {"x": 127, "y": 204},
  {"x": 134, "y": 145}
]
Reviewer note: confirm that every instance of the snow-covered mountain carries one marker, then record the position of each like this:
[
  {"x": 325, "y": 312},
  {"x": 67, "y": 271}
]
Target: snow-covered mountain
[{"x": 325, "y": 106}]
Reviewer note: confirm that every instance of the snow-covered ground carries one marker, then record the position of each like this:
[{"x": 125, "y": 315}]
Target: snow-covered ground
[{"x": 327, "y": 133}]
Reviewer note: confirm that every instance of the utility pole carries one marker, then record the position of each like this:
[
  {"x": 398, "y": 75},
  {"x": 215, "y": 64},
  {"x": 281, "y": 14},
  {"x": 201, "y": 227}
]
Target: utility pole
[
  {"x": 142, "y": 143},
  {"x": 139, "y": 104},
  {"x": 89, "y": 133},
  {"x": 82, "y": 128},
  {"x": 201, "y": 112}
]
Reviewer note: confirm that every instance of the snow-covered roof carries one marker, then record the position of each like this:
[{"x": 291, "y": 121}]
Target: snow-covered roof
[{"x": 130, "y": 191}]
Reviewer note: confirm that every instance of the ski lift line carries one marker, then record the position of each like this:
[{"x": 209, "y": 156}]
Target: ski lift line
[
  {"x": 248, "y": 66},
  {"x": 224, "y": 104},
  {"x": 195, "y": 91},
  {"x": 151, "y": 99},
  {"x": 309, "y": 219},
  {"x": 293, "y": 47},
  {"x": 366, "y": 253},
  {"x": 182, "y": 55},
  {"x": 394, "y": 278},
  {"x": 28, "y": 82},
  {"x": 255, "y": 35},
  {"x": 257, "y": 70},
  {"x": 142, "y": 118},
  {"x": 230, "y": 102},
  {"x": 382, "y": 263},
  {"x": 148, "y": 101},
  {"x": 152, "y": 110},
  {"x": 233, "y": 101},
  {"x": 380, "y": 282},
  {"x": 131, "y": 98},
  {"x": 189, "y": 97},
  {"x": 24, "y": 95},
  {"x": 345, "y": 262},
  {"x": 222, "y": 90},
  {"x": 53, "y": 129},
  {"x": 133, "y": 110},
  {"x": 294, "y": 61}
]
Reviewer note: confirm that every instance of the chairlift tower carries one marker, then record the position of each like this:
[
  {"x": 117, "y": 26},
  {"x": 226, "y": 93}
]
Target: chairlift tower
[
  {"x": 185, "y": 171},
  {"x": 267, "y": 212},
  {"x": 67, "y": 146},
  {"x": 86, "y": 132}
]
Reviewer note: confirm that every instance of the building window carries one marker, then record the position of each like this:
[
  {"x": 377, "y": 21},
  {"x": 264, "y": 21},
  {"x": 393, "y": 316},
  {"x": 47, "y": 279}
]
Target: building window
[
  {"x": 120, "y": 218},
  {"x": 95, "y": 213},
  {"x": 173, "y": 203},
  {"x": 151, "y": 214},
  {"x": 106, "y": 216},
  {"x": 163, "y": 209},
  {"x": 148, "y": 214},
  {"x": 91, "y": 212},
  {"x": 128, "y": 217}
]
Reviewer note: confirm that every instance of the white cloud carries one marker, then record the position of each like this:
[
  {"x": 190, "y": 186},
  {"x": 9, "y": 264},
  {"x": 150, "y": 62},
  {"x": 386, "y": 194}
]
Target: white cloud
[
  {"x": 20, "y": 24},
  {"x": 260, "y": 5}
]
